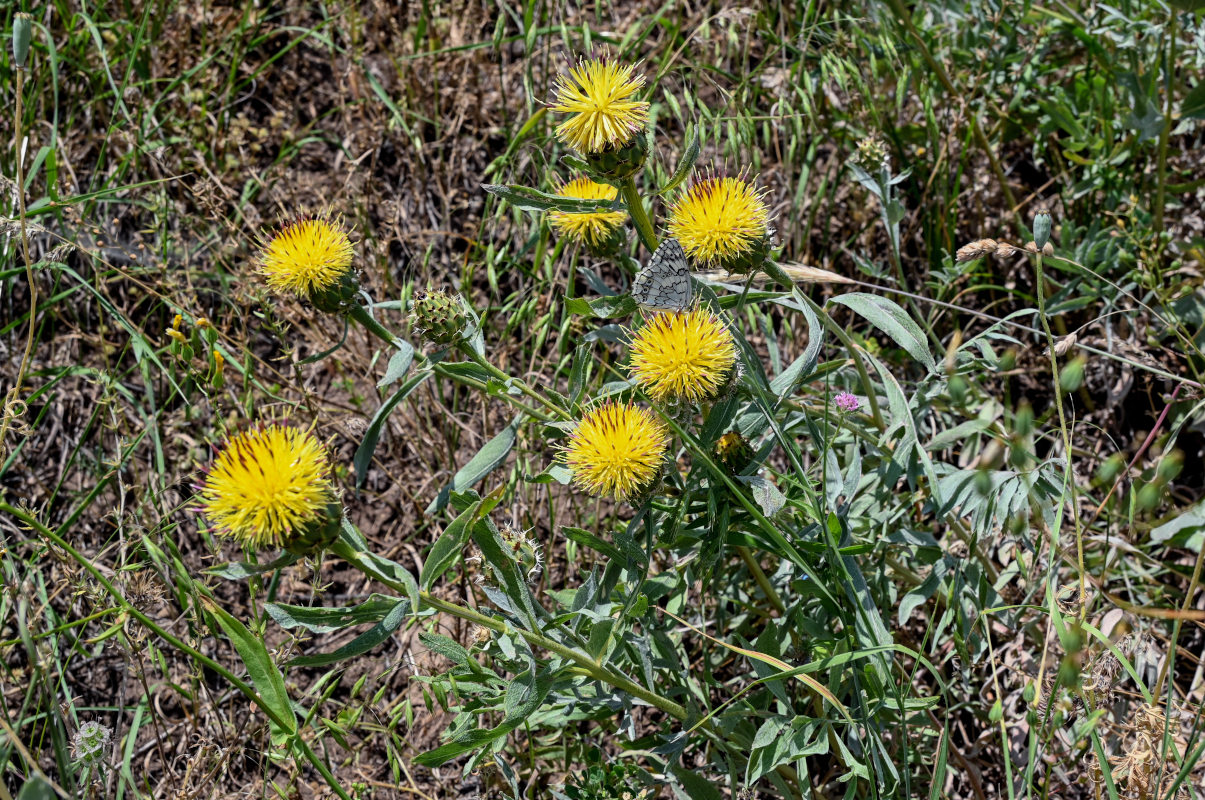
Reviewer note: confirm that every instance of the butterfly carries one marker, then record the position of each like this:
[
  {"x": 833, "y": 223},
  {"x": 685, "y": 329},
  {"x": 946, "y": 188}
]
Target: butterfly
[{"x": 665, "y": 280}]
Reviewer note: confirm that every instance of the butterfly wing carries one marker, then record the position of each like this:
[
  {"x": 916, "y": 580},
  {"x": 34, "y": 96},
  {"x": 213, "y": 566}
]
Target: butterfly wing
[{"x": 664, "y": 282}]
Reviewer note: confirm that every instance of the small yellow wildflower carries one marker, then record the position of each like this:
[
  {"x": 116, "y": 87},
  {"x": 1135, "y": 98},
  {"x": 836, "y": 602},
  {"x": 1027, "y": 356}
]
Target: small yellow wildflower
[
  {"x": 267, "y": 485},
  {"x": 594, "y": 228},
  {"x": 719, "y": 220},
  {"x": 684, "y": 355},
  {"x": 306, "y": 256},
  {"x": 597, "y": 95},
  {"x": 616, "y": 450}
]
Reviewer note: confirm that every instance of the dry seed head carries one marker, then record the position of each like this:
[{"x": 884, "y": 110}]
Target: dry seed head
[{"x": 975, "y": 250}]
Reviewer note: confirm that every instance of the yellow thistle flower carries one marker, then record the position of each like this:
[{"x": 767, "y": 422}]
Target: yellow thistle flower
[
  {"x": 306, "y": 256},
  {"x": 684, "y": 355},
  {"x": 617, "y": 450},
  {"x": 267, "y": 486},
  {"x": 597, "y": 95},
  {"x": 594, "y": 228},
  {"x": 719, "y": 220}
]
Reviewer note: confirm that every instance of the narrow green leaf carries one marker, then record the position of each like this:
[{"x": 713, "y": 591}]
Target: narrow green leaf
[
  {"x": 527, "y": 199},
  {"x": 266, "y": 676},
  {"x": 939, "y": 766},
  {"x": 487, "y": 459},
  {"x": 685, "y": 164},
  {"x": 368, "y": 446},
  {"x": 602, "y": 307},
  {"x": 399, "y": 362},
  {"x": 328, "y": 620},
  {"x": 448, "y": 546},
  {"x": 892, "y": 320},
  {"x": 378, "y": 634},
  {"x": 240, "y": 570}
]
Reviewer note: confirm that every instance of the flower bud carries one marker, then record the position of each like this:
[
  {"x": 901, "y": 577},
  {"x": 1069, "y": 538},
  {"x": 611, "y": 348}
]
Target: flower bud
[
  {"x": 22, "y": 32},
  {"x": 1041, "y": 228},
  {"x": 219, "y": 366},
  {"x": 733, "y": 452},
  {"x": 1072, "y": 376},
  {"x": 616, "y": 164},
  {"x": 439, "y": 317},
  {"x": 318, "y": 534}
]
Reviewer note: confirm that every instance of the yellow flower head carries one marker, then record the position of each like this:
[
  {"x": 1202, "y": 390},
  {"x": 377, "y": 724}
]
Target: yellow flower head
[
  {"x": 594, "y": 228},
  {"x": 684, "y": 355},
  {"x": 267, "y": 485},
  {"x": 719, "y": 220},
  {"x": 616, "y": 449},
  {"x": 597, "y": 95},
  {"x": 305, "y": 256}
]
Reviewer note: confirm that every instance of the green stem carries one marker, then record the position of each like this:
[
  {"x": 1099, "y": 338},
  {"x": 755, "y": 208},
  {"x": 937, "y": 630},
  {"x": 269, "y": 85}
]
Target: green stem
[
  {"x": 856, "y": 357},
  {"x": 12, "y": 400},
  {"x": 587, "y": 664},
  {"x": 631, "y": 196},
  {"x": 362, "y": 316},
  {"x": 192, "y": 652},
  {"x": 1066, "y": 433},
  {"x": 480, "y": 361},
  {"x": 1169, "y": 90},
  {"x": 905, "y": 18},
  {"x": 759, "y": 575}
]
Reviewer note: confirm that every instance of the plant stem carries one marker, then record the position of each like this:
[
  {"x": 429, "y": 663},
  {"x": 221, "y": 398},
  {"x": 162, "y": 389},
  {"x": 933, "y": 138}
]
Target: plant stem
[
  {"x": 480, "y": 361},
  {"x": 631, "y": 196},
  {"x": 589, "y": 665},
  {"x": 759, "y": 575},
  {"x": 1161, "y": 163},
  {"x": 859, "y": 365},
  {"x": 905, "y": 18},
  {"x": 361, "y": 315},
  {"x": 12, "y": 399},
  {"x": 1188, "y": 595},
  {"x": 197, "y": 656},
  {"x": 1066, "y": 433}
]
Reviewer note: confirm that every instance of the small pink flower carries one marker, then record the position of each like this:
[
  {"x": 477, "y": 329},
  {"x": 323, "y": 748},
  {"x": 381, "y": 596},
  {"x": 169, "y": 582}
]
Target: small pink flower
[{"x": 847, "y": 402}]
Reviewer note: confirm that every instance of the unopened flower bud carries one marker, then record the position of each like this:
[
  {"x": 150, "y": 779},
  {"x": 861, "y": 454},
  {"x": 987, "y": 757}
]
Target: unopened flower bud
[
  {"x": 1041, "y": 228},
  {"x": 22, "y": 32},
  {"x": 219, "y": 370},
  {"x": 733, "y": 452},
  {"x": 439, "y": 317}
]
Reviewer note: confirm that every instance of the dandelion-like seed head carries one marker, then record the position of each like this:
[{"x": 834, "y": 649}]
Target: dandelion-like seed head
[
  {"x": 307, "y": 257},
  {"x": 617, "y": 450},
  {"x": 596, "y": 228},
  {"x": 685, "y": 355},
  {"x": 720, "y": 222},
  {"x": 269, "y": 487},
  {"x": 597, "y": 95}
]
